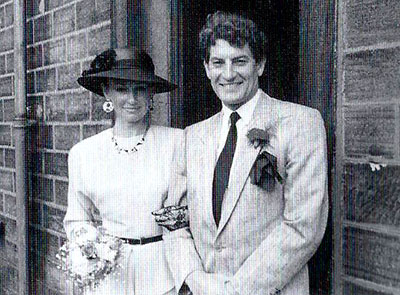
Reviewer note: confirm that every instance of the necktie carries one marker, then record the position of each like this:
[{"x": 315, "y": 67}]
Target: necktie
[{"x": 223, "y": 167}]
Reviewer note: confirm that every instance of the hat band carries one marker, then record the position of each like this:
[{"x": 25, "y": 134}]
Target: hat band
[{"x": 131, "y": 64}]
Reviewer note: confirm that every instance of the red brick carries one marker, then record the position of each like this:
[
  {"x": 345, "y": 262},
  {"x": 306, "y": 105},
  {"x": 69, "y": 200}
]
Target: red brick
[
  {"x": 369, "y": 130},
  {"x": 78, "y": 106},
  {"x": 8, "y": 279},
  {"x": 61, "y": 192},
  {"x": 372, "y": 75},
  {"x": 2, "y": 64},
  {"x": 372, "y": 22},
  {"x": 5, "y": 135},
  {"x": 6, "y": 180},
  {"x": 9, "y": 110},
  {"x": 99, "y": 40},
  {"x": 67, "y": 76},
  {"x": 66, "y": 136},
  {"x": 10, "y": 63},
  {"x": 372, "y": 196},
  {"x": 51, "y": 4},
  {"x": 11, "y": 230},
  {"x": 91, "y": 12},
  {"x": 90, "y": 130},
  {"x": 55, "y": 108},
  {"x": 6, "y": 86},
  {"x": 372, "y": 256},
  {"x": 10, "y": 203},
  {"x": 77, "y": 47},
  {"x": 85, "y": 13},
  {"x": 64, "y": 20},
  {"x": 9, "y": 158},
  {"x": 53, "y": 218},
  {"x": 42, "y": 188},
  {"x": 43, "y": 28},
  {"x": 45, "y": 80},
  {"x": 34, "y": 57},
  {"x": 54, "y": 52},
  {"x": 2, "y": 17},
  {"x": 7, "y": 40},
  {"x": 11, "y": 253},
  {"x": 9, "y": 15},
  {"x": 56, "y": 164}
]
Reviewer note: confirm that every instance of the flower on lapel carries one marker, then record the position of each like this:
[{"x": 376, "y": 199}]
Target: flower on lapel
[
  {"x": 264, "y": 172},
  {"x": 258, "y": 137}
]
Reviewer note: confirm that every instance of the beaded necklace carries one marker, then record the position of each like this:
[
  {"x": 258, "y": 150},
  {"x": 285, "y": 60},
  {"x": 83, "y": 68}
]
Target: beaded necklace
[{"x": 130, "y": 150}]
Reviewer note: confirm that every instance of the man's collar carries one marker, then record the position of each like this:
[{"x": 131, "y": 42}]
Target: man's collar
[{"x": 245, "y": 111}]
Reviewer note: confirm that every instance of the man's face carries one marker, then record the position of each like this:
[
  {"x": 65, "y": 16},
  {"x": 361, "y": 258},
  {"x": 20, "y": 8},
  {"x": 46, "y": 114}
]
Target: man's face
[{"x": 233, "y": 73}]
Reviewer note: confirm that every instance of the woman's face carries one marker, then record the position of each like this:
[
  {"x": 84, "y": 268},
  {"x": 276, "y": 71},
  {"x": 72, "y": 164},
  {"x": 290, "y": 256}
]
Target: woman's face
[{"x": 131, "y": 100}]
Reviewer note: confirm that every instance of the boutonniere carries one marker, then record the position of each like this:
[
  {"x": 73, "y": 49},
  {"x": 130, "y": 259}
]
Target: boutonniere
[
  {"x": 264, "y": 172},
  {"x": 258, "y": 137}
]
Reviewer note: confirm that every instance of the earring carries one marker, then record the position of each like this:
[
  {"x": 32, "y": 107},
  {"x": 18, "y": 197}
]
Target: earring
[
  {"x": 108, "y": 106},
  {"x": 151, "y": 106}
]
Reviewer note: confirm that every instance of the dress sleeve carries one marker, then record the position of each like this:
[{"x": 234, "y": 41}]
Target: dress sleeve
[{"x": 80, "y": 207}]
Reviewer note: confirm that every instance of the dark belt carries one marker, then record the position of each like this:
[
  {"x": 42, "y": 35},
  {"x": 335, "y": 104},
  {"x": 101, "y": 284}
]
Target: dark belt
[{"x": 142, "y": 241}]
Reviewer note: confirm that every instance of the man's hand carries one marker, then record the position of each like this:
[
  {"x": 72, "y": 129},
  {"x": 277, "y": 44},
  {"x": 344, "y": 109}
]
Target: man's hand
[{"x": 202, "y": 283}]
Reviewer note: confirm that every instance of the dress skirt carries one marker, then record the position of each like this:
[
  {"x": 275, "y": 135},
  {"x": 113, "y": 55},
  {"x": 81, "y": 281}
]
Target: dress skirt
[{"x": 144, "y": 271}]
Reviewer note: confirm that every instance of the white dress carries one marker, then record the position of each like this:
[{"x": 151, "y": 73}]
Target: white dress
[{"x": 125, "y": 188}]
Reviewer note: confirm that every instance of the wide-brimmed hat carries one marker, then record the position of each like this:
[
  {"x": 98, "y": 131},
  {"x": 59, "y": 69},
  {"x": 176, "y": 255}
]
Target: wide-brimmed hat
[{"x": 123, "y": 64}]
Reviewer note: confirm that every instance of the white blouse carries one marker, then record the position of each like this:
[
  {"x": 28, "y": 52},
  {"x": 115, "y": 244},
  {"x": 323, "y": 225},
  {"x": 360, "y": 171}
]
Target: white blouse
[{"x": 125, "y": 188}]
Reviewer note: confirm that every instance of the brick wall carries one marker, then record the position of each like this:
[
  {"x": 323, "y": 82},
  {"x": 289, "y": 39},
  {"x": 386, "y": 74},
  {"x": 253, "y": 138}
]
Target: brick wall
[
  {"x": 369, "y": 129},
  {"x": 63, "y": 37}
]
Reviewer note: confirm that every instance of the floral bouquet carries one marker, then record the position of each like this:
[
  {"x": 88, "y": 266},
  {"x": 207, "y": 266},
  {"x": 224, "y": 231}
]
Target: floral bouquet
[{"x": 90, "y": 257}]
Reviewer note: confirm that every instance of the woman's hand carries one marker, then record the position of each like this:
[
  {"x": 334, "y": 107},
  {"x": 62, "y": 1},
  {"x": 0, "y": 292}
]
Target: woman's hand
[{"x": 172, "y": 217}]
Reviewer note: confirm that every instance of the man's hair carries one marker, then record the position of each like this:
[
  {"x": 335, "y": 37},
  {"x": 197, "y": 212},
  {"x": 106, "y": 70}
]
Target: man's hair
[{"x": 236, "y": 29}]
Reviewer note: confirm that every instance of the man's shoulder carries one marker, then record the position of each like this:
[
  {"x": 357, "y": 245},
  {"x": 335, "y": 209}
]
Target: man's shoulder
[
  {"x": 289, "y": 111},
  {"x": 210, "y": 122}
]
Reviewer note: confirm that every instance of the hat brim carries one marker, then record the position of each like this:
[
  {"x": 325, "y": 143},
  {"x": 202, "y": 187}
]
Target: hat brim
[{"x": 93, "y": 82}]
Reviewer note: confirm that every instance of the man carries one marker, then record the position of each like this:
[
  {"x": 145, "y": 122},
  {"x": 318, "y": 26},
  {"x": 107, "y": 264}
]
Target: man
[{"x": 256, "y": 178}]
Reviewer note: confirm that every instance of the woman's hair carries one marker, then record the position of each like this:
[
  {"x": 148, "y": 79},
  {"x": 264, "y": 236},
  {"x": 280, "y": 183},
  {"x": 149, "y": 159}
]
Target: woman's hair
[{"x": 236, "y": 29}]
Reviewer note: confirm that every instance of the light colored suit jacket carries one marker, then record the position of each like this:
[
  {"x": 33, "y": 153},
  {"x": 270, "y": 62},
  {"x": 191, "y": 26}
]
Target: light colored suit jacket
[{"x": 265, "y": 238}]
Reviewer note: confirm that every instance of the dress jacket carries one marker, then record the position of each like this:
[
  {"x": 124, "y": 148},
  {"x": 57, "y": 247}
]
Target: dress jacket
[
  {"x": 124, "y": 189},
  {"x": 265, "y": 237}
]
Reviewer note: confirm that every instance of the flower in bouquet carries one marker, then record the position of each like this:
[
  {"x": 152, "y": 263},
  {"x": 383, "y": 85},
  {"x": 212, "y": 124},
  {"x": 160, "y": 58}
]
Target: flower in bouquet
[{"x": 90, "y": 257}]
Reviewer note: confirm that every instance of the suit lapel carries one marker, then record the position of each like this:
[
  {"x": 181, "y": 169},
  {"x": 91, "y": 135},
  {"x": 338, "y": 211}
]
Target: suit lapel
[
  {"x": 209, "y": 137},
  {"x": 263, "y": 118}
]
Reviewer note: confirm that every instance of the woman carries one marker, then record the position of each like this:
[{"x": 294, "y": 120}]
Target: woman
[{"x": 123, "y": 172}]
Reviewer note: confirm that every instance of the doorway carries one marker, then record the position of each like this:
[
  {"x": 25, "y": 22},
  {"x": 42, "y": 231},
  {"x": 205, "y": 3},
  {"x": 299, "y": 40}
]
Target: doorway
[{"x": 280, "y": 21}]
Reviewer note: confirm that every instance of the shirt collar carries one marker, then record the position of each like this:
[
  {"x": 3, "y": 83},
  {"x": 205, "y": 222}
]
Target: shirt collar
[{"x": 245, "y": 111}]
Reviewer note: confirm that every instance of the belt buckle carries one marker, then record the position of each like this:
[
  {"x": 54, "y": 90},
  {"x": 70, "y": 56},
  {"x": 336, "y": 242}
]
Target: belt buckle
[{"x": 142, "y": 241}]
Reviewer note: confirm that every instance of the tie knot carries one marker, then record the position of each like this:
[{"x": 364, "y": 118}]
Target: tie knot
[{"x": 234, "y": 118}]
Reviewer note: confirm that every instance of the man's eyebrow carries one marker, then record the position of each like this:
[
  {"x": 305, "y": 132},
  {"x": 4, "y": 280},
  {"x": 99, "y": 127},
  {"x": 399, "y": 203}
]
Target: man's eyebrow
[{"x": 241, "y": 57}]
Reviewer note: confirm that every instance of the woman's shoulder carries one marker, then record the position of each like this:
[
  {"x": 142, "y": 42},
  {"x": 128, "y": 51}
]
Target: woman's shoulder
[{"x": 92, "y": 143}]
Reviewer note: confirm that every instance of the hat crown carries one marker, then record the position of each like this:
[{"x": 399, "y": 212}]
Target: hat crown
[
  {"x": 135, "y": 58},
  {"x": 121, "y": 58}
]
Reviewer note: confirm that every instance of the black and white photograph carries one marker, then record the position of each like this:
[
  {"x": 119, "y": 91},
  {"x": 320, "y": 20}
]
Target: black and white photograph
[{"x": 177, "y": 147}]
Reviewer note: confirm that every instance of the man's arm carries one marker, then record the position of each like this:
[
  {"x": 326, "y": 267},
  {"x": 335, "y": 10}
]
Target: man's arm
[
  {"x": 296, "y": 236},
  {"x": 181, "y": 253}
]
